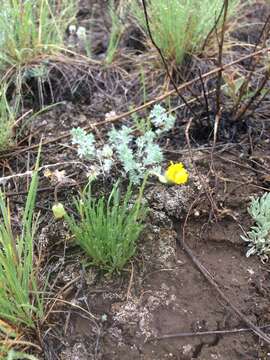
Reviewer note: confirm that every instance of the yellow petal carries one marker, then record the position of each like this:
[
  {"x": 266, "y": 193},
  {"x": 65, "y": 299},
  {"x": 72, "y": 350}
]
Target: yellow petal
[{"x": 176, "y": 174}]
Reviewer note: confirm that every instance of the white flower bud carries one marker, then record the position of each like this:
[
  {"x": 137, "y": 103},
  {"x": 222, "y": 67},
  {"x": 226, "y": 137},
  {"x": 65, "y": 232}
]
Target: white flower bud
[
  {"x": 72, "y": 29},
  {"x": 81, "y": 33}
]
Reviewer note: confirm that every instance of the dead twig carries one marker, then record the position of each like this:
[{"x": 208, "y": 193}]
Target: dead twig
[
  {"x": 128, "y": 295},
  {"x": 4, "y": 179},
  {"x": 239, "y": 115},
  {"x": 158, "y": 99},
  {"x": 220, "y": 56},
  {"x": 263, "y": 35},
  {"x": 204, "y": 95},
  {"x": 206, "y": 333},
  {"x": 219, "y": 80},
  {"x": 11, "y": 342},
  {"x": 164, "y": 61},
  {"x": 46, "y": 189},
  {"x": 214, "y": 27}
]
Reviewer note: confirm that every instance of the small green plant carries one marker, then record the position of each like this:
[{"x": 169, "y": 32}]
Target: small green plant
[
  {"x": 258, "y": 237},
  {"x": 232, "y": 86},
  {"x": 85, "y": 40},
  {"x": 16, "y": 355},
  {"x": 142, "y": 125},
  {"x": 180, "y": 27},
  {"x": 29, "y": 28},
  {"x": 239, "y": 89},
  {"x": 7, "y": 120},
  {"x": 9, "y": 347},
  {"x": 116, "y": 32},
  {"x": 20, "y": 301},
  {"x": 138, "y": 155},
  {"x": 108, "y": 230}
]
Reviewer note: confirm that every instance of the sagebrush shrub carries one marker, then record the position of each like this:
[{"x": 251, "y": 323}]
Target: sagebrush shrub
[
  {"x": 138, "y": 155},
  {"x": 258, "y": 237}
]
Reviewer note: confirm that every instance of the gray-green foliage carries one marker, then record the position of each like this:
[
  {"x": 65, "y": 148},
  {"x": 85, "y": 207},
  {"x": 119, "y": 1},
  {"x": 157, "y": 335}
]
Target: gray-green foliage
[
  {"x": 85, "y": 142},
  {"x": 181, "y": 26},
  {"x": 136, "y": 162},
  {"x": 108, "y": 229},
  {"x": 259, "y": 235},
  {"x": 137, "y": 155}
]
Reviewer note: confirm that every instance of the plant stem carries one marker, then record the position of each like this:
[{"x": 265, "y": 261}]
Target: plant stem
[{"x": 139, "y": 200}]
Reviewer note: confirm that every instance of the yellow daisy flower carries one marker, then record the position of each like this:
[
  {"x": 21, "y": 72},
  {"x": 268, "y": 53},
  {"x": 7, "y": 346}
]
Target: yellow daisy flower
[{"x": 176, "y": 174}]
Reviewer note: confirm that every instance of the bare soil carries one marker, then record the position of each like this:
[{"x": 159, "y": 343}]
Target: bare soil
[{"x": 163, "y": 293}]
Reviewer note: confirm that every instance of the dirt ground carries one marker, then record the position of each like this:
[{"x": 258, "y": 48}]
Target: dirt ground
[{"x": 160, "y": 292}]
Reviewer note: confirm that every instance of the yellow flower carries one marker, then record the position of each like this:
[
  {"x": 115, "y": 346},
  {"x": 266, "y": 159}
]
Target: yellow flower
[
  {"x": 176, "y": 174},
  {"x": 58, "y": 211}
]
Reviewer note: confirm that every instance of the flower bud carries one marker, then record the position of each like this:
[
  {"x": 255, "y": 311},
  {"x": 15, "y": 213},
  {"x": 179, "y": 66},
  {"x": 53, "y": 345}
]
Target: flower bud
[{"x": 58, "y": 210}]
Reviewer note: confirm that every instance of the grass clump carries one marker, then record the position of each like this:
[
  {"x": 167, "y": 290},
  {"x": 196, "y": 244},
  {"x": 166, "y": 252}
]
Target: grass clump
[
  {"x": 258, "y": 237},
  {"x": 117, "y": 29},
  {"x": 29, "y": 28},
  {"x": 108, "y": 229},
  {"x": 21, "y": 304},
  {"x": 7, "y": 120},
  {"x": 181, "y": 26}
]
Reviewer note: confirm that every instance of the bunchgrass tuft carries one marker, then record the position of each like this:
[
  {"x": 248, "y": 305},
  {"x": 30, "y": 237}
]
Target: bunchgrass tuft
[
  {"x": 117, "y": 28},
  {"x": 108, "y": 230},
  {"x": 30, "y": 28},
  {"x": 7, "y": 120},
  {"x": 20, "y": 302},
  {"x": 180, "y": 27}
]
